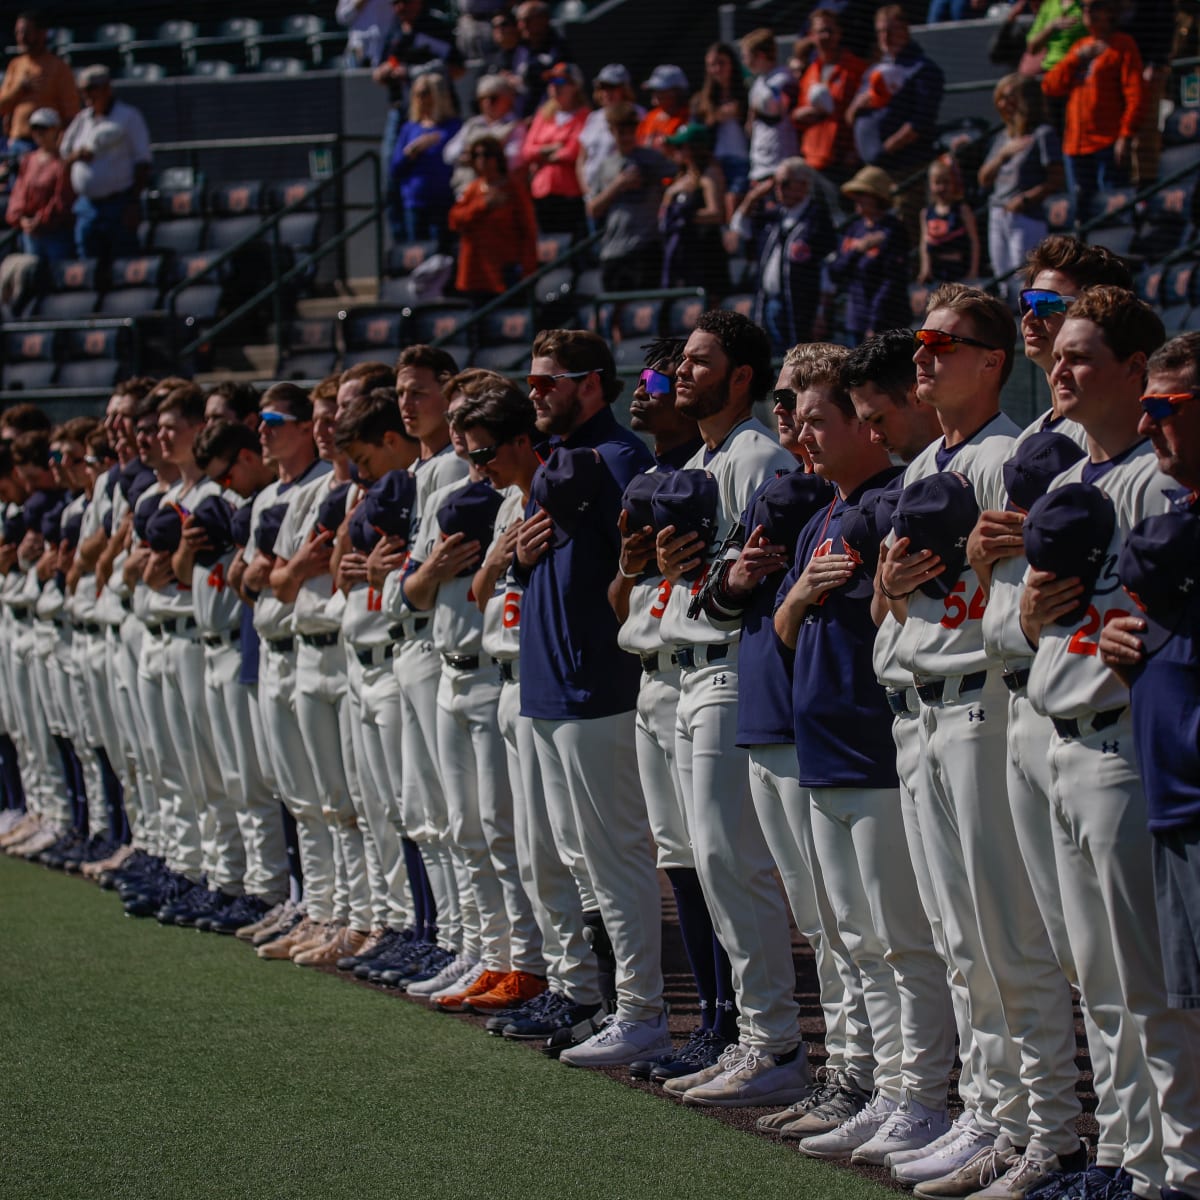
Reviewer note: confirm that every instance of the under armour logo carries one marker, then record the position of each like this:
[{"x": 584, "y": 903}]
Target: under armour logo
[
  {"x": 960, "y": 542},
  {"x": 976, "y": 714},
  {"x": 1095, "y": 554},
  {"x": 1185, "y": 584},
  {"x": 1110, "y": 747},
  {"x": 583, "y": 505},
  {"x": 720, "y": 680}
]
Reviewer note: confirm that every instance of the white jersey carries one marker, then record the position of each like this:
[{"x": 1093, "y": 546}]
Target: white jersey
[
  {"x": 311, "y": 609},
  {"x": 432, "y": 474},
  {"x": 217, "y": 606},
  {"x": 457, "y": 625},
  {"x": 747, "y": 457},
  {"x": 1002, "y": 634},
  {"x": 502, "y": 616},
  {"x": 1068, "y": 680},
  {"x": 944, "y": 637},
  {"x": 78, "y": 607}
]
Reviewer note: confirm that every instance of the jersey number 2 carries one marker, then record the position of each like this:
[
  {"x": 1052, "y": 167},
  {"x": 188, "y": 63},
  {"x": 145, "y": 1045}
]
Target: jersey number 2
[{"x": 1082, "y": 639}]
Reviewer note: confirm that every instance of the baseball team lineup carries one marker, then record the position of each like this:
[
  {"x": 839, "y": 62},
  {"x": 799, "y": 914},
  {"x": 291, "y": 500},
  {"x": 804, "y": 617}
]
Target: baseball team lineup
[{"x": 432, "y": 676}]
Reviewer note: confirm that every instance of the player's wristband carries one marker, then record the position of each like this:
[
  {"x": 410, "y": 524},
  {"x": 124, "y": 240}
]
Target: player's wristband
[
  {"x": 892, "y": 595},
  {"x": 626, "y": 575}
]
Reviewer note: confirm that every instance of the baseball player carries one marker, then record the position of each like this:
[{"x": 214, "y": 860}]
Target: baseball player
[
  {"x": 500, "y": 434},
  {"x": 1072, "y": 537},
  {"x": 847, "y": 776},
  {"x": 724, "y": 371},
  {"x": 285, "y": 416},
  {"x": 301, "y": 575},
  {"x": 421, "y": 374},
  {"x": 994, "y": 936},
  {"x": 370, "y": 431},
  {"x": 745, "y": 587},
  {"x": 638, "y": 595},
  {"x": 582, "y": 702}
]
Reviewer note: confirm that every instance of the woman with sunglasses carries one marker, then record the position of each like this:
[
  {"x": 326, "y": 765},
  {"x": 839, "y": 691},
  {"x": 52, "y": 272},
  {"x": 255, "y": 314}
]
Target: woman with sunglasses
[
  {"x": 1022, "y": 169},
  {"x": 495, "y": 222},
  {"x": 420, "y": 175}
]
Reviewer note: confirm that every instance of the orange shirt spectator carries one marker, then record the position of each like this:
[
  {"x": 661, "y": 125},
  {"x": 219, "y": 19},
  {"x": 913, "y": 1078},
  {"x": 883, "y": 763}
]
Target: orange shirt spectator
[
  {"x": 826, "y": 89},
  {"x": 657, "y": 125},
  {"x": 35, "y": 79},
  {"x": 494, "y": 217},
  {"x": 1102, "y": 80}
]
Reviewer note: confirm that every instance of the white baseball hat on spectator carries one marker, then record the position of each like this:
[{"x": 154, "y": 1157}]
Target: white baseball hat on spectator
[
  {"x": 614, "y": 75},
  {"x": 45, "y": 118},
  {"x": 665, "y": 77}
]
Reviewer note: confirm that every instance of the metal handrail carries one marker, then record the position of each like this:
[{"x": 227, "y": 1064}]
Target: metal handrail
[
  {"x": 523, "y": 285},
  {"x": 271, "y": 225}
]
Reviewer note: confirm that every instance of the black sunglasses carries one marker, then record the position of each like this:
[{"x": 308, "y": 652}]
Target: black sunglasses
[{"x": 484, "y": 455}]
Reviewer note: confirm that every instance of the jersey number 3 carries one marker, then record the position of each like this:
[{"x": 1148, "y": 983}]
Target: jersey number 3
[{"x": 957, "y": 608}]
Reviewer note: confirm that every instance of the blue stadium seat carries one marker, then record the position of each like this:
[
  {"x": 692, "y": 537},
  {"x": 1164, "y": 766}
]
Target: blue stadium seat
[
  {"x": 136, "y": 286},
  {"x": 282, "y": 66},
  {"x": 1180, "y": 284},
  {"x": 170, "y": 45},
  {"x": 213, "y": 68},
  {"x": 29, "y": 359},
  {"x": 374, "y": 331},
  {"x": 681, "y": 315},
  {"x": 233, "y": 41},
  {"x": 638, "y": 319},
  {"x": 309, "y": 349},
  {"x": 443, "y": 319},
  {"x": 74, "y": 291}
]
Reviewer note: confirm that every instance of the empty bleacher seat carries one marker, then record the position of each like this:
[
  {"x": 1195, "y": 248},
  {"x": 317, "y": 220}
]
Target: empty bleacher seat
[
  {"x": 170, "y": 45},
  {"x": 1181, "y": 142},
  {"x": 442, "y": 320},
  {"x": 1058, "y": 212},
  {"x": 233, "y": 41},
  {"x": 235, "y": 212},
  {"x": 638, "y": 319},
  {"x": 680, "y": 316},
  {"x": 505, "y": 325},
  {"x": 201, "y": 300},
  {"x": 29, "y": 359},
  {"x": 742, "y": 302},
  {"x": 282, "y": 66},
  {"x": 1179, "y": 284},
  {"x": 93, "y": 357},
  {"x": 505, "y": 358},
  {"x": 213, "y": 68},
  {"x": 98, "y": 373},
  {"x": 175, "y": 209},
  {"x": 1150, "y": 284},
  {"x": 145, "y": 72},
  {"x": 303, "y": 36},
  {"x": 105, "y": 46},
  {"x": 74, "y": 291},
  {"x": 309, "y": 349},
  {"x": 373, "y": 332},
  {"x": 136, "y": 286},
  {"x": 1167, "y": 223}
]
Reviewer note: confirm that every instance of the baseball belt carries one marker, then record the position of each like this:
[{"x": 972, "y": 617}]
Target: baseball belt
[
  {"x": 321, "y": 640},
  {"x": 699, "y": 656},
  {"x": 931, "y": 691},
  {"x": 509, "y": 670},
  {"x": 1069, "y": 727}
]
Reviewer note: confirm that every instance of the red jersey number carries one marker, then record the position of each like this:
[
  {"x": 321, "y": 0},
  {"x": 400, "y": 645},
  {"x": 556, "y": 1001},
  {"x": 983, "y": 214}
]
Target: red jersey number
[{"x": 957, "y": 608}]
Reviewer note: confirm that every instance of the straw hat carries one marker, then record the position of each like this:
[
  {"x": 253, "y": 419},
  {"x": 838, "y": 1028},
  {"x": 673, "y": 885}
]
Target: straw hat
[{"x": 871, "y": 181}]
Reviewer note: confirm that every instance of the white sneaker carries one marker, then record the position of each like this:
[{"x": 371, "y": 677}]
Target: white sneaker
[
  {"x": 911, "y": 1126},
  {"x": 617, "y": 1043},
  {"x": 448, "y": 978},
  {"x": 684, "y": 1083},
  {"x": 10, "y": 818},
  {"x": 851, "y": 1134},
  {"x": 946, "y": 1158},
  {"x": 751, "y": 1078},
  {"x": 1027, "y": 1172},
  {"x": 965, "y": 1119}
]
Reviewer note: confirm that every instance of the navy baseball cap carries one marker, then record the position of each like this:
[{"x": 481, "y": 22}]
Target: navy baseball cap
[
  {"x": 688, "y": 500},
  {"x": 128, "y": 473},
  {"x": 141, "y": 484},
  {"x": 1068, "y": 531},
  {"x": 866, "y": 525},
  {"x": 147, "y": 505},
  {"x": 786, "y": 504},
  {"x": 239, "y": 524},
  {"x": 1159, "y": 566},
  {"x": 107, "y": 523},
  {"x": 937, "y": 513},
  {"x": 332, "y": 510},
  {"x": 635, "y": 500},
  {"x": 164, "y": 530},
  {"x": 37, "y": 504},
  {"x": 215, "y": 516},
  {"x": 567, "y": 485},
  {"x": 471, "y": 511},
  {"x": 1039, "y": 460},
  {"x": 51, "y": 525},
  {"x": 270, "y": 521},
  {"x": 14, "y": 526},
  {"x": 386, "y": 511},
  {"x": 72, "y": 528}
]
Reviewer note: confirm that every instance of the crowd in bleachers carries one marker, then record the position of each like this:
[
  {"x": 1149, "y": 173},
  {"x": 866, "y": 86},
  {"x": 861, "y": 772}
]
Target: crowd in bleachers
[{"x": 747, "y": 176}]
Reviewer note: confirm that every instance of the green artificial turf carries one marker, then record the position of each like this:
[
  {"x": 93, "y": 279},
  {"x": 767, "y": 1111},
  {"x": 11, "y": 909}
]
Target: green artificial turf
[{"x": 140, "y": 1061}]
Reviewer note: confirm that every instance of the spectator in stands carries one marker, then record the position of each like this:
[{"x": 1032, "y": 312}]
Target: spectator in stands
[
  {"x": 500, "y": 58},
  {"x": 871, "y": 266},
  {"x": 541, "y": 48},
  {"x": 472, "y": 29},
  {"x": 369, "y": 22},
  {"x": 41, "y": 200},
  {"x": 497, "y": 118},
  {"x": 792, "y": 235},
  {"x": 551, "y": 149},
  {"x": 1101, "y": 79},
  {"x": 1057, "y": 26},
  {"x": 668, "y": 88},
  {"x": 627, "y": 202},
  {"x": 691, "y": 216},
  {"x": 771, "y": 98},
  {"x": 1152, "y": 24},
  {"x": 35, "y": 79},
  {"x": 420, "y": 172},
  {"x": 827, "y": 86},
  {"x": 721, "y": 105},
  {"x": 613, "y": 85},
  {"x": 107, "y": 148},
  {"x": 495, "y": 223},
  {"x": 1023, "y": 167},
  {"x": 949, "y": 250},
  {"x": 894, "y": 114},
  {"x": 416, "y": 44}
]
